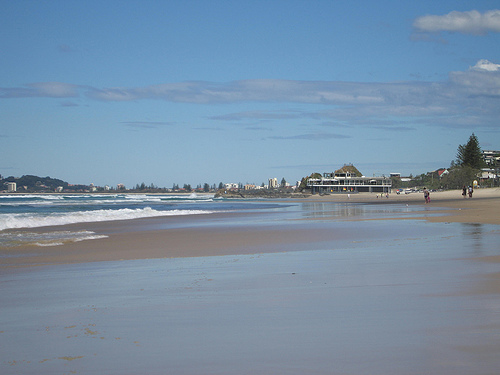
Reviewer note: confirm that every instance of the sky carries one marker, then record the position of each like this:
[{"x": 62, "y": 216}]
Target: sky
[{"x": 194, "y": 92}]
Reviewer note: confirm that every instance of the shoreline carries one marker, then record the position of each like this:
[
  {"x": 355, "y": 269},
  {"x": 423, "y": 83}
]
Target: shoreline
[
  {"x": 199, "y": 235},
  {"x": 482, "y": 208},
  {"x": 369, "y": 286}
]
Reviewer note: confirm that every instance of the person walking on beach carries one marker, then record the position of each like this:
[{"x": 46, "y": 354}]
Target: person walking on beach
[
  {"x": 427, "y": 195},
  {"x": 464, "y": 192},
  {"x": 470, "y": 191}
]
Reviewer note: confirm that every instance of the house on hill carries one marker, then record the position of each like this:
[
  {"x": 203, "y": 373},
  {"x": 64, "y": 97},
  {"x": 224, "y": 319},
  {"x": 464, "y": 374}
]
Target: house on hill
[
  {"x": 349, "y": 168},
  {"x": 442, "y": 172},
  {"x": 348, "y": 179}
]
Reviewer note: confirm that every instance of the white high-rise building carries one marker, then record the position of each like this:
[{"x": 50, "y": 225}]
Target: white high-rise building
[{"x": 273, "y": 183}]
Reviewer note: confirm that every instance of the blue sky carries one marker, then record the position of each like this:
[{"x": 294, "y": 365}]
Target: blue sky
[{"x": 191, "y": 92}]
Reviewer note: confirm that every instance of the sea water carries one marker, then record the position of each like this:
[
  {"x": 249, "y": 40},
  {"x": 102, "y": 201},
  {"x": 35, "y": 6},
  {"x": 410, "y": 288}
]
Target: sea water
[
  {"x": 35, "y": 219},
  {"x": 56, "y": 210}
]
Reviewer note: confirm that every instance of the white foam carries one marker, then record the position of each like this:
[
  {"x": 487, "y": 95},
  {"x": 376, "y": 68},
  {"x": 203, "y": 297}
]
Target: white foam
[
  {"x": 89, "y": 199},
  {"x": 11, "y": 221},
  {"x": 35, "y": 196},
  {"x": 44, "y": 239},
  {"x": 47, "y": 243}
]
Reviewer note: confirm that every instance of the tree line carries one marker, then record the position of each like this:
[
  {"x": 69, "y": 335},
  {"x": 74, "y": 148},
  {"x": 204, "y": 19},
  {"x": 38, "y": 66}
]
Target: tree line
[
  {"x": 176, "y": 187},
  {"x": 463, "y": 170}
]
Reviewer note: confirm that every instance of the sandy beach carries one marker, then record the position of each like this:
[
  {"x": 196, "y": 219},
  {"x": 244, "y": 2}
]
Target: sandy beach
[
  {"x": 127, "y": 240},
  {"x": 481, "y": 208},
  {"x": 332, "y": 284}
]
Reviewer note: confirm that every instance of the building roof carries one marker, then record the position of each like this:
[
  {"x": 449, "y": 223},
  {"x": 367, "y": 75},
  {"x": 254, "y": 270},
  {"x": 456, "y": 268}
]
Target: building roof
[{"x": 349, "y": 168}]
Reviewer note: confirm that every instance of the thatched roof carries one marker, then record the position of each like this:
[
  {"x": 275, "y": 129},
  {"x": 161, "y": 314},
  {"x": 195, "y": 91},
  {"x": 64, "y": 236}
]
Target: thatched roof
[{"x": 349, "y": 168}]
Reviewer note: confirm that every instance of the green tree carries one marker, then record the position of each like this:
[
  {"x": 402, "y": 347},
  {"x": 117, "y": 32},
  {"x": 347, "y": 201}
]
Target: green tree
[
  {"x": 396, "y": 182},
  {"x": 283, "y": 182},
  {"x": 470, "y": 154},
  {"x": 206, "y": 187},
  {"x": 303, "y": 182},
  {"x": 459, "y": 176},
  {"x": 465, "y": 169}
]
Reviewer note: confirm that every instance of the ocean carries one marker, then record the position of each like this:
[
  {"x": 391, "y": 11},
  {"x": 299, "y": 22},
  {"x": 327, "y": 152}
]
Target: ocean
[
  {"x": 54, "y": 210},
  {"x": 33, "y": 219}
]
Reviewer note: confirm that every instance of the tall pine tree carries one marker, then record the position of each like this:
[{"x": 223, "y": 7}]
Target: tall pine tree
[{"x": 470, "y": 154}]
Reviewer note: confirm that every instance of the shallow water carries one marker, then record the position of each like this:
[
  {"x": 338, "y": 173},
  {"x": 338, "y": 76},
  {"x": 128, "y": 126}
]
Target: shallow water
[
  {"x": 401, "y": 299},
  {"x": 31, "y": 220}
]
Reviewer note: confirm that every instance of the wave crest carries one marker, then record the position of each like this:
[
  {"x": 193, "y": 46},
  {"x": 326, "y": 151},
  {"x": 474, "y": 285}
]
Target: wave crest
[{"x": 25, "y": 220}]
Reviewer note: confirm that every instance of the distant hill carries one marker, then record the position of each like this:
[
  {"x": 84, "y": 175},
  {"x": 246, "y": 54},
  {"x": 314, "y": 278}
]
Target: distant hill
[{"x": 30, "y": 183}]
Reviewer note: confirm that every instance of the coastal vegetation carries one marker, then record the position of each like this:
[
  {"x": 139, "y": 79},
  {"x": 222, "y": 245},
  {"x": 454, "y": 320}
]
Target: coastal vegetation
[
  {"x": 463, "y": 171},
  {"x": 470, "y": 155},
  {"x": 31, "y": 183},
  {"x": 466, "y": 168},
  {"x": 303, "y": 182}
]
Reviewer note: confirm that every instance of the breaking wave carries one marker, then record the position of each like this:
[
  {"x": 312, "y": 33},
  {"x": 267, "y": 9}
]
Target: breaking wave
[
  {"x": 91, "y": 199},
  {"x": 30, "y": 220}
]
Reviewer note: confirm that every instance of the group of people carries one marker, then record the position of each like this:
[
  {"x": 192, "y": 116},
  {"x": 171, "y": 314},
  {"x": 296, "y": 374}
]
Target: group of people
[{"x": 467, "y": 190}]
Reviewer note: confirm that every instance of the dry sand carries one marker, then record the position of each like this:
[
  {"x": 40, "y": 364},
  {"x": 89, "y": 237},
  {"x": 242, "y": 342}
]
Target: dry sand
[{"x": 482, "y": 208}]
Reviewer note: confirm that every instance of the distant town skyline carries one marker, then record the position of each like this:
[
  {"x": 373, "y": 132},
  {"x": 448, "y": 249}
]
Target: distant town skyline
[{"x": 192, "y": 92}]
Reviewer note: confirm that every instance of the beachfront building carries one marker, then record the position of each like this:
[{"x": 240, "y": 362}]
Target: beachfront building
[
  {"x": 348, "y": 183},
  {"x": 491, "y": 157},
  {"x": 231, "y": 186},
  {"x": 11, "y": 187}
]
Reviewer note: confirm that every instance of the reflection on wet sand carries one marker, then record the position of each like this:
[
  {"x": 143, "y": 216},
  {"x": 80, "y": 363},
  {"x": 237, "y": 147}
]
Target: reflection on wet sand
[{"x": 369, "y": 297}]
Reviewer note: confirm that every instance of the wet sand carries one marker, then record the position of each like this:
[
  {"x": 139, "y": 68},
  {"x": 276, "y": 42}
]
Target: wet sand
[
  {"x": 482, "y": 208},
  {"x": 331, "y": 289},
  {"x": 129, "y": 240}
]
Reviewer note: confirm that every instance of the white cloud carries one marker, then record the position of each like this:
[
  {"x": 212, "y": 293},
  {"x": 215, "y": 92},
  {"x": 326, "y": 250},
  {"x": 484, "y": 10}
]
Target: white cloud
[
  {"x": 41, "y": 89},
  {"x": 486, "y": 65},
  {"x": 259, "y": 115},
  {"x": 483, "y": 79},
  {"x": 265, "y": 90},
  {"x": 472, "y": 93},
  {"x": 312, "y": 136},
  {"x": 471, "y": 22},
  {"x": 55, "y": 89}
]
